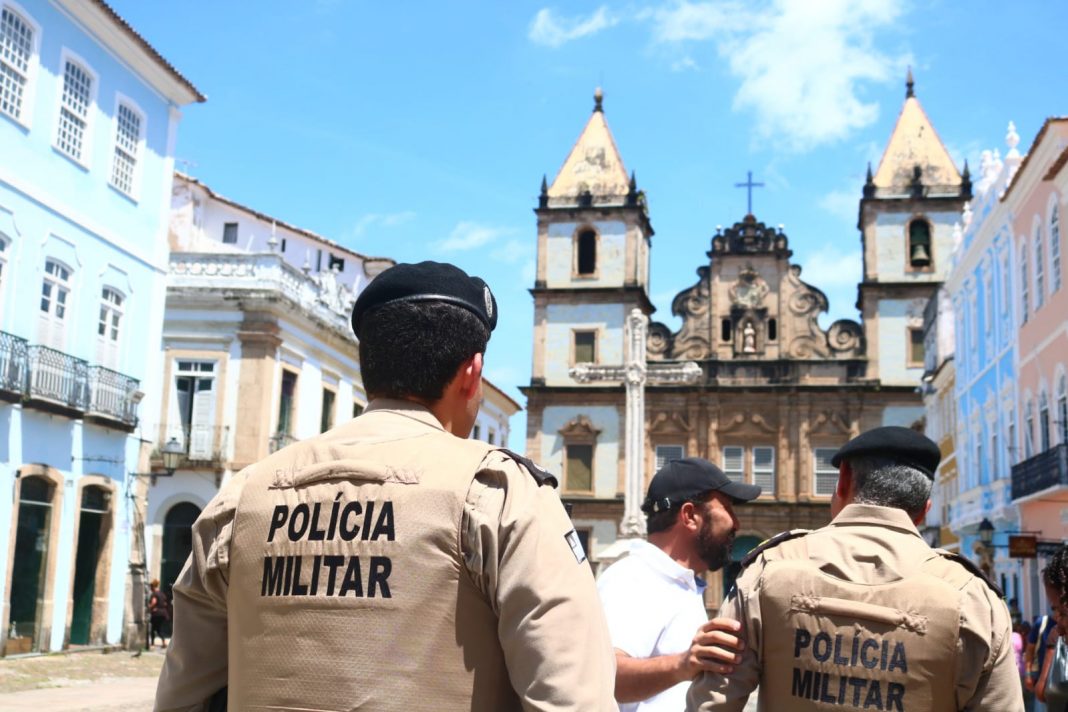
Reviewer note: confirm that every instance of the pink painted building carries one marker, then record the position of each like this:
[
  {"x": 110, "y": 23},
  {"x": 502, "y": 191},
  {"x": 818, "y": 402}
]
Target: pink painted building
[{"x": 1037, "y": 202}]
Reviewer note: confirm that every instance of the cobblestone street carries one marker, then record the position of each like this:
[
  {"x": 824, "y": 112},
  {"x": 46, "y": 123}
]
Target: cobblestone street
[{"x": 93, "y": 681}]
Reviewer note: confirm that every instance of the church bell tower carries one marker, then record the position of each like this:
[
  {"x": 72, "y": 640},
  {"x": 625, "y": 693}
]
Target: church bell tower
[{"x": 907, "y": 212}]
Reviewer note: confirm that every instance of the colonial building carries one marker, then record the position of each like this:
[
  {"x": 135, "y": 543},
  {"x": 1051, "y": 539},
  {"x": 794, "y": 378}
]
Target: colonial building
[
  {"x": 940, "y": 415},
  {"x": 89, "y": 115},
  {"x": 777, "y": 394}
]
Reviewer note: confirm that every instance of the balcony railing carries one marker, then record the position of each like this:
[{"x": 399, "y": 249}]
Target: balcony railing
[
  {"x": 113, "y": 395},
  {"x": 203, "y": 445},
  {"x": 58, "y": 378},
  {"x": 1041, "y": 472},
  {"x": 13, "y": 368},
  {"x": 279, "y": 441}
]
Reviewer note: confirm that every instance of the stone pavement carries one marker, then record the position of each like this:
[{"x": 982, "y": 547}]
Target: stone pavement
[{"x": 92, "y": 681}]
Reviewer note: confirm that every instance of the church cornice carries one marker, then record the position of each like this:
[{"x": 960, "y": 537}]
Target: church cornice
[
  {"x": 598, "y": 211},
  {"x": 599, "y": 294},
  {"x": 853, "y": 387}
]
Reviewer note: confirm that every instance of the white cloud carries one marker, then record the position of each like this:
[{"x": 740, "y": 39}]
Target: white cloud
[
  {"x": 829, "y": 268},
  {"x": 553, "y": 30},
  {"x": 842, "y": 203},
  {"x": 803, "y": 65},
  {"x": 469, "y": 235},
  {"x": 380, "y": 220},
  {"x": 684, "y": 64}
]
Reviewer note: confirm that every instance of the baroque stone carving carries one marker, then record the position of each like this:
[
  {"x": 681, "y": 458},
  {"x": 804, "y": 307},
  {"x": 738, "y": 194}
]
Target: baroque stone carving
[
  {"x": 580, "y": 427},
  {"x": 750, "y": 289},
  {"x": 658, "y": 345},
  {"x": 750, "y": 236},
  {"x": 693, "y": 305},
  {"x": 673, "y": 422}
]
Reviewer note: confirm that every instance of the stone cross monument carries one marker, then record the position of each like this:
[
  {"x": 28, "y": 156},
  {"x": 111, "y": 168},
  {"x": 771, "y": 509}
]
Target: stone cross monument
[{"x": 635, "y": 373}]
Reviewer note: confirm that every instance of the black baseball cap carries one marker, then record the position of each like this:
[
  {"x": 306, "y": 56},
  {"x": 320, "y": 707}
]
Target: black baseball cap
[
  {"x": 903, "y": 445},
  {"x": 684, "y": 480},
  {"x": 427, "y": 282}
]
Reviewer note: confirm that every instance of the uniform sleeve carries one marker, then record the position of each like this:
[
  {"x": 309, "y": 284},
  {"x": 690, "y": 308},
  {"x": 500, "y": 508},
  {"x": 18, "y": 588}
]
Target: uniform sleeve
[
  {"x": 713, "y": 691},
  {"x": 550, "y": 624},
  {"x": 196, "y": 664},
  {"x": 987, "y": 676}
]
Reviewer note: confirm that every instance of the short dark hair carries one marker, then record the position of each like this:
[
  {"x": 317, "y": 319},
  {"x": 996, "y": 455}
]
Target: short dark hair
[
  {"x": 412, "y": 349},
  {"x": 665, "y": 519},
  {"x": 887, "y": 483},
  {"x": 1056, "y": 573}
]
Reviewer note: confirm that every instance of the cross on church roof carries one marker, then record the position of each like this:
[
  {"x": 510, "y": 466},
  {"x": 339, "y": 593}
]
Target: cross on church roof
[{"x": 749, "y": 185}]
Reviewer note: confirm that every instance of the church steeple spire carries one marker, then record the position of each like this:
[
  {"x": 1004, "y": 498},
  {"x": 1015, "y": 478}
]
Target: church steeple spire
[
  {"x": 910, "y": 85},
  {"x": 593, "y": 171}
]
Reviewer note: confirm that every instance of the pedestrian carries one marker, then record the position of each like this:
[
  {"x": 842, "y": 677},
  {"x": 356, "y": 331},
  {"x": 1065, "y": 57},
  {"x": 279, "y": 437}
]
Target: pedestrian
[
  {"x": 863, "y": 614},
  {"x": 1052, "y": 687},
  {"x": 159, "y": 614},
  {"x": 653, "y": 597},
  {"x": 392, "y": 563},
  {"x": 1035, "y": 655}
]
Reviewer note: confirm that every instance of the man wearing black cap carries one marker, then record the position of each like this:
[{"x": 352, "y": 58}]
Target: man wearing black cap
[
  {"x": 392, "y": 563},
  {"x": 653, "y": 597},
  {"x": 863, "y": 614}
]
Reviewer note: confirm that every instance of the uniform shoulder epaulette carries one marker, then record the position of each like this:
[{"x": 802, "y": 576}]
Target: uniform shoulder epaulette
[
  {"x": 972, "y": 569},
  {"x": 769, "y": 543},
  {"x": 539, "y": 473}
]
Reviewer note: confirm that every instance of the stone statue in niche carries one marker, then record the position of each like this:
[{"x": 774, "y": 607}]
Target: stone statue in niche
[{"x": 749, "y": 338}]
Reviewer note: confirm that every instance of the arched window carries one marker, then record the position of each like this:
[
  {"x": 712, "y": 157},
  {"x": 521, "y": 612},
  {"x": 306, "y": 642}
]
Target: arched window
[
  {"x": 1062, "y": 409},
  {"x": 16, "y": 50},
  {"x": 55, "y": 295},
  {"x": 1055, "y": 248},
  {"x": 1040, "y": 271},
  {"x": 1043, "y": 422},
  {"x": 1029, "y": 430},
  {"x": 4, "y": 243},
  {"x": 586, "y": 257},
  {"x": 128, "y": 127},
  {"x": 177, "y": 542},
  {"x": 1025, "y": 283},
  {"x": 74, "y": 113},
  {"x": 919, "y": 244},
  {"x": 108, "y": 327}
]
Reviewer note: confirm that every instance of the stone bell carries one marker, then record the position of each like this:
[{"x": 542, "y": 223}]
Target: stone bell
[{"x": 920, "y": 256}]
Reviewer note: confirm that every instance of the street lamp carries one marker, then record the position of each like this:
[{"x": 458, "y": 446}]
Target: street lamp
[
  {"x": 172, "y": 455},
  {"x": 986, "y": 532}
]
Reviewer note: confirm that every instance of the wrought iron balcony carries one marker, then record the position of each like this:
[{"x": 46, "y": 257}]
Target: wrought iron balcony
[
  {"x": 113, "y": 396},
  {"x": 202, "y": 445},
  {"x": 58, "y": 379},
  {"x": 13, "y": 368},
  {"x": 279, "y": 441},
  {"x": 1041, "y": 472}
]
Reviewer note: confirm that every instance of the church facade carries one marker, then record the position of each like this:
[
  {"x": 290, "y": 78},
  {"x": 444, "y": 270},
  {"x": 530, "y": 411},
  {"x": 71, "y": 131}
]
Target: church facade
[{"x": 777, "y": 394}]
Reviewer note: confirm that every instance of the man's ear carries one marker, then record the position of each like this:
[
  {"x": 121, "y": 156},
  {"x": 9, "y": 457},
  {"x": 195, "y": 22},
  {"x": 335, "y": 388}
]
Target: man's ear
[
  {"x": 926, "y": 508},
  {"x": 844, "y": 489},
  {"x": 470, "y": 375},
  {"x": 688, "y": 516}
]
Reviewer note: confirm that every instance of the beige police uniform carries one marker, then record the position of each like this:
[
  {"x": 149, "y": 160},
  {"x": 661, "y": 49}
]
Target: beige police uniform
[
  {"x": 864, "y": 615},
  {"x": 388, "y": 565}
]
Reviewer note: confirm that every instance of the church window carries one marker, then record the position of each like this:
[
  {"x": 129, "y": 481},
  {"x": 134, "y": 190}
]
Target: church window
[
  {"x": 734, "y": 463},
  {"x": 825, "y": 477},
  {"x": 1055, "y": 249},
  {"x": 1025, "y": 280},
  {"x": 586, "y": 257},
  {"x": 916, "y": 347},
  {"x": 919, "y": 244},
  {"x": 725, "y": 330},
  {"x": 585, "y": 346},
  {"x": 579, "y": 472},
  {"x": 229, "y": 233},
  {"x": 1040, "y": 271},
  {"x": 764, "y": 469},
  {"x": 668, "y": 452},
  {"x": 773, "y": 329}
]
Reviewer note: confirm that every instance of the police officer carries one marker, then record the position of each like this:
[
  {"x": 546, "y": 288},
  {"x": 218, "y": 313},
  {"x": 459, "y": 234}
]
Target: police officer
[
  {"x": 863, "y": 614},
  {"x": 391, "y": 563}
]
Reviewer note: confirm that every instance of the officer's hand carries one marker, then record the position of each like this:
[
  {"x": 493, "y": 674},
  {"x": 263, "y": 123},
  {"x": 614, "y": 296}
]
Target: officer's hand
[{"x": 715, "y": 648}]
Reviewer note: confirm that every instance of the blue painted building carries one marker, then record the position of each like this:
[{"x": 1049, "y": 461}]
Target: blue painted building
[
  {"x": 89, "y": 113},
  {"x": 981, "y": 285}
]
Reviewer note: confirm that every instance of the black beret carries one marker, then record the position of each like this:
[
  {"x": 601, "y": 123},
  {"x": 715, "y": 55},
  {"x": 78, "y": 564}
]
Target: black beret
[
  {"x": 427, "y": 282},
  {"x": 903, "y": 445}
]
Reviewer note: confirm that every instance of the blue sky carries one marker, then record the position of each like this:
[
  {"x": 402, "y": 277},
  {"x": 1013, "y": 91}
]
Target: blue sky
[{"x": 422, "y": 130}]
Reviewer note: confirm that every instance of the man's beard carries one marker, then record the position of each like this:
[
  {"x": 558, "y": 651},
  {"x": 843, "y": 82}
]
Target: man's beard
[{"x": 716, "y": 554}]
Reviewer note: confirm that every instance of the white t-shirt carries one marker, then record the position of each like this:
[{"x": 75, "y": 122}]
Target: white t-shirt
[{"x": 654, "y": 606}]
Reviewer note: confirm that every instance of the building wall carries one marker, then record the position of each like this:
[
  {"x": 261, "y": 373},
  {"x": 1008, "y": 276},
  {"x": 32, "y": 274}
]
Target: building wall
[
  {"x": 611, "y": 254},
  {"x": 563, "y": 319},
  {"x": 888, "y": 236}
]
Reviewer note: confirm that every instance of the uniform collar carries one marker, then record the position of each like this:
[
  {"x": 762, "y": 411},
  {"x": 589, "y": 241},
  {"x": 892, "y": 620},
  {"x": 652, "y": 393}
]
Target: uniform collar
[
  {"x": 410, "y": 409},
  {"x": 667, "y": 567},
  {"x": 873, "y": 514}
]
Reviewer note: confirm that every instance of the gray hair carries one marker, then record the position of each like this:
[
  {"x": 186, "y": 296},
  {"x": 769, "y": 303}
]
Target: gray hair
[{"x": 887, "y": 483}]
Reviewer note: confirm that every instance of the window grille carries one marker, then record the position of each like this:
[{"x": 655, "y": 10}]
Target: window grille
[
  {"x": 825, "y": 474},
  {"x": 764, "y": 469},
  {"x": 127, "y": 139},
  {"x": 1040, "y": 271},
  {"x": 74, "y": 110},
  {"x": 16, "y": 48},
  {"x": 734, "y": 463},
  {"x": 1055, "y": 249},
  {"x": 668, "y": 452}
]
